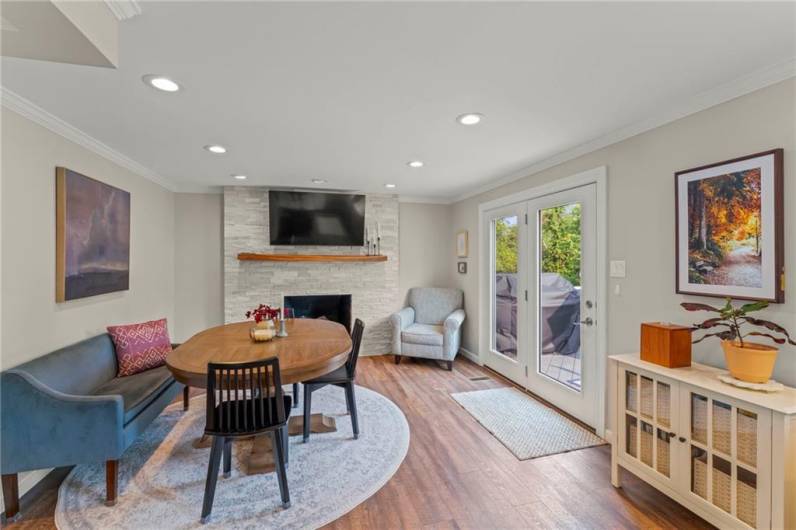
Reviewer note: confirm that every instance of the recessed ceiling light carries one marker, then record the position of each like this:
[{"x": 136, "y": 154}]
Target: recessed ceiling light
[
  {"x": 391, "y": 186},
  {"x": 319, "y": 181},
  {"x": 415, "y": 163},
  {"x": 239, "y": 177},
  {"x": 161, "y": 83},
  {"x": 217, "y": 149},
  {"x": 470, "y": 118}
]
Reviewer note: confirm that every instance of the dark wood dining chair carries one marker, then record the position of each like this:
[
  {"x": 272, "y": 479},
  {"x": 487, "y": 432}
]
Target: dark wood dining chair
[
  {"x": 245, "y": 399},
  {"x": 342, "y": 377}
]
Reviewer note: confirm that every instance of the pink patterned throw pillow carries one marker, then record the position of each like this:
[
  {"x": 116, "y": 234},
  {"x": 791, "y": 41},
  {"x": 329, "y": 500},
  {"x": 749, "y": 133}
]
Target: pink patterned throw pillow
[{"x": 140, "y": 347}]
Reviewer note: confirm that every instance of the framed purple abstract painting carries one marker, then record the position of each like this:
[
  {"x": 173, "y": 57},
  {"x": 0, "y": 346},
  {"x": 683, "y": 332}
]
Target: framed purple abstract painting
[{"x": 92, "y": 243}]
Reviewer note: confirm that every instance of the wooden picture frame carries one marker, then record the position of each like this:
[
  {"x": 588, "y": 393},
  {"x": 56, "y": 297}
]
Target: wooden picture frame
[
  {"x": 462, "y": 244},
  {"x": 729, "y": 228},
  {"x": 92, "y": 237}
]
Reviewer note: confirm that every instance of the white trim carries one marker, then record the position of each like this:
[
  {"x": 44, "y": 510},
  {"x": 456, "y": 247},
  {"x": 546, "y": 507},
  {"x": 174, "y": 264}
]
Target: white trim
[
  {"x": 123, "y": 9},
  {"x": 424, "y": 200},
  {"x": 580, "y": 179},
  {"x": 599, "y": 177},
  {"x": 470, "y": 356},
  {"x": 36, "y": 114},
  {"x": 203, "y": 189},
  {"x": 710, "y": 98}
]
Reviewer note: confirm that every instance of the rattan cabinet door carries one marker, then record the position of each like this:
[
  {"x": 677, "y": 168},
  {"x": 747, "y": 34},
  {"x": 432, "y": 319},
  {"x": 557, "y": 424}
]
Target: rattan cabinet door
[{"x": 728, "y": 444}]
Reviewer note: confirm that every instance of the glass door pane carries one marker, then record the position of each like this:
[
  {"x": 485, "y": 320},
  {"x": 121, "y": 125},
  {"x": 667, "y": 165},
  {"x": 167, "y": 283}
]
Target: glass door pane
[
  {"x": 663, "y": 404},
  {"x": 722, "y": 414},
  {"x": 746, "y": 496},
  {"x": 559, "y": 294},
  {"x": 722, "y": 483},
  {"x": 699, "y": 471},
  {"x": 663, "y": 451},
  {"x": 747, "y": 437},
  {"x": 699, "y": 419},
  {"x": 505, "y": 285}
]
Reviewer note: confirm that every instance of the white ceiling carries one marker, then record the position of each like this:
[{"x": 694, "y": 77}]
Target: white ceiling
[{"x": 350, "y": 92}]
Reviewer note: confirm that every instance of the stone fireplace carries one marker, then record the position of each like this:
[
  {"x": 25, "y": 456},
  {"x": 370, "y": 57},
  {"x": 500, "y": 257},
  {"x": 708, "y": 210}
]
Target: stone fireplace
[{"x": 373, "y": 287}]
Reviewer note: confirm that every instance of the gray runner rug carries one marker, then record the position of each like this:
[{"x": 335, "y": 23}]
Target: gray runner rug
[{"x": 527, "y": 427}]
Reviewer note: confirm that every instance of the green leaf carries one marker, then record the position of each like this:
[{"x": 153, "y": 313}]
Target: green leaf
[{"x": 754, "y": 306}]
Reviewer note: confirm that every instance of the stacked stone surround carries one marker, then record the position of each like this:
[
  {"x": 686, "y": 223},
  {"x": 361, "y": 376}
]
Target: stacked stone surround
[{"x": 373, "y": 286}]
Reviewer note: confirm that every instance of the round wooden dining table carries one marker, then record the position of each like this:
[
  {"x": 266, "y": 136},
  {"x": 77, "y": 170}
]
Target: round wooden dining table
[{"x": 312, "y": 348}]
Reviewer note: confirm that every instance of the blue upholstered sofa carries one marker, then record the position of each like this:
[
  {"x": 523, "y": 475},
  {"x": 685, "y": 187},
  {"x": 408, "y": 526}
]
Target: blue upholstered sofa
[{"x": 68, "y": 407}]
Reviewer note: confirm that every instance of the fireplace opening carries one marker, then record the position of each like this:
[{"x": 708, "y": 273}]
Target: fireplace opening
[{"x": 335, "y": 307}]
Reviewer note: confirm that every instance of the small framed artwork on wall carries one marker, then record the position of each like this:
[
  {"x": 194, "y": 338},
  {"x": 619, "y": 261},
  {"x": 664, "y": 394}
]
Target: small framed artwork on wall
[
  {"x": 462, "y": 267},
  {"x": 730, "y": 228},
  {"x": 461, "y": 244}
]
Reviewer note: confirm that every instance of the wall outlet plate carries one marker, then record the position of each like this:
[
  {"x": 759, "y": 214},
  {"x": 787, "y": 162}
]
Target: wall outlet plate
[{"x": 617, "y": 268}]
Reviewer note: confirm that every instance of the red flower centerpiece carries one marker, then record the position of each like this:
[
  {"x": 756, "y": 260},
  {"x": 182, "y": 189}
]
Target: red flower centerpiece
[
  {"x": 263, "y": 313},
  {"x": 264, "y": 316}
]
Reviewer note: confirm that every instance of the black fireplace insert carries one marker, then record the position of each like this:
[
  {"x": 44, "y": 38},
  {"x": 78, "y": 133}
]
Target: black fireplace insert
[{"x": 335, "y": 307}]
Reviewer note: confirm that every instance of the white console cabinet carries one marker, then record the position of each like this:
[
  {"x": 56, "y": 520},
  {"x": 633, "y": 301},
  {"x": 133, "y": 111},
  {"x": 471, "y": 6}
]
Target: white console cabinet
[{"x": 726, "y": 453}]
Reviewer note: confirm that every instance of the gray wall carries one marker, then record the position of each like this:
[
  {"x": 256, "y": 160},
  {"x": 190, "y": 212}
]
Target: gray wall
[
  {"x": 427, "y": 249},
  {"x": 32, "y": 323},
  {"x": 641, "y": 214},
  {"x": 198, "y": 260}
]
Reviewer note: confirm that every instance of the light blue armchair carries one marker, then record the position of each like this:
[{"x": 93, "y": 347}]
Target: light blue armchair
[{"x": 430, "y": 327}]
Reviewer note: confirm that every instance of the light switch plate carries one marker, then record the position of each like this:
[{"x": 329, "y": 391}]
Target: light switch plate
[{"x": 617, "y": 268}]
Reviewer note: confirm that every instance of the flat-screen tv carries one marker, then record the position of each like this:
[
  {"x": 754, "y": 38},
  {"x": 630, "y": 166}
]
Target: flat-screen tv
[{"x": 306, "y": 218}]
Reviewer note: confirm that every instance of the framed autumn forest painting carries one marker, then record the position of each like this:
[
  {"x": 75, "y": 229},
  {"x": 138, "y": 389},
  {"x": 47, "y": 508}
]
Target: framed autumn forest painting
[{"x": 730, "y": 222}]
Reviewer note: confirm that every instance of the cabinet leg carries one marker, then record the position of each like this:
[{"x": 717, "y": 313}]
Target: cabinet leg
[{"x": 615, "y": 482}]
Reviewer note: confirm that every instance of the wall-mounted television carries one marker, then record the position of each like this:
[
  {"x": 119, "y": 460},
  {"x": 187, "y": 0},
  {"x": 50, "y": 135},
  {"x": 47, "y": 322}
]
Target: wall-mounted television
[{"x": 309, "y": 218}]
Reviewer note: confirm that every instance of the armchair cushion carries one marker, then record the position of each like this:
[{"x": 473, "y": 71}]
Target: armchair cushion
[
  {"x": 432, "y": 305},
  {"x": 138, "y": 390},
  {"x": 422, "y": 334}
]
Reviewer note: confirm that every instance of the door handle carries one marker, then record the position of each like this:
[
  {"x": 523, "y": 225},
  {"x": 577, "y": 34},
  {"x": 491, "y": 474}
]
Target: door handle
[{"x": 588, "y": 322}]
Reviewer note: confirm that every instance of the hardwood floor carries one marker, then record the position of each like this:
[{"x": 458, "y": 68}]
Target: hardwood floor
[{"x": 456, "y": 475}]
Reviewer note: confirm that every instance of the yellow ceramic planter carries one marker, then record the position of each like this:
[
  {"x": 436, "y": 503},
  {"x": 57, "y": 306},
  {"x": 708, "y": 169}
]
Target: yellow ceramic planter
[{"x": 753, "y": 363}]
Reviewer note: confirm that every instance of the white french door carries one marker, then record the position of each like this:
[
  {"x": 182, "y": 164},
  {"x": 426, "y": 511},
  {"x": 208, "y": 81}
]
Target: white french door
[
  {"x": 508, "y": 263},
  {"x": 542, "y": 293}
]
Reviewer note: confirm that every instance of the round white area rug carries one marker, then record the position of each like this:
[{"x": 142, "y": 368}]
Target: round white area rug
[{"x": 162, "y": 476}]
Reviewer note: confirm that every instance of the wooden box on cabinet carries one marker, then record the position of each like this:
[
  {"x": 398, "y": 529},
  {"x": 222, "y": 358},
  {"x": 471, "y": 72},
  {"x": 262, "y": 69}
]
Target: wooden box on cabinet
[{"x": 665, "y": 344}]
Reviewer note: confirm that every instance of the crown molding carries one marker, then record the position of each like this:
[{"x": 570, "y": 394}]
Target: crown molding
[
  {"x": 36, "y": 114},
  {"x": 710, "y": 98},
  {"x": 423, "y": 200},
  {"x": 124, "y": 9}
]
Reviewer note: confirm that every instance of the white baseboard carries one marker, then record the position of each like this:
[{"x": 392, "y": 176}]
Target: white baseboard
[
  {"x": 470, "y": 356},
  {"x": 27, "y": 480}
]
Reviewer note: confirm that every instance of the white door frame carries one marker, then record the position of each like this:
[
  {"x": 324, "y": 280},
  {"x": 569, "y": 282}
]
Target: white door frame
[{"x": 599, "y": 177}]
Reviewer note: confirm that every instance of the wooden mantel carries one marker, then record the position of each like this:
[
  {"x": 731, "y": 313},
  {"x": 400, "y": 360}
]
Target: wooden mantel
[{"x": 251, "y": 256}]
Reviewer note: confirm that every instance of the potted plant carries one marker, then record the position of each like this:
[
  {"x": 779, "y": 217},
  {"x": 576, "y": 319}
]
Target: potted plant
[{"x": 747, "y": 361}]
